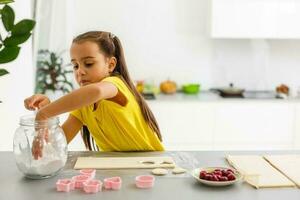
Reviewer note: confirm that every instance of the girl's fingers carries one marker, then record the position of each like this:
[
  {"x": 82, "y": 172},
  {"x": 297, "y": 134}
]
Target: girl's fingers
[
  {"x": 36, "y": 102},
  {"x": 37, "y": 148},
  {"x": 43, "y": 103},
  {"x": 29, "y": 103}
]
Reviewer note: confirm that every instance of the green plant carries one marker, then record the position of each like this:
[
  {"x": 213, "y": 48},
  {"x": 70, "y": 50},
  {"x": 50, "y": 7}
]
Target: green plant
[
  {"x": 52, "y": 73},
  {"x": 13, "y": 35}
]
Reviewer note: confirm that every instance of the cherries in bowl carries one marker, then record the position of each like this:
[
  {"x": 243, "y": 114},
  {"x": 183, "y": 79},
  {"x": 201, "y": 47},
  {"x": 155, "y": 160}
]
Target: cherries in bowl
[{"x": 216, "y": 176}]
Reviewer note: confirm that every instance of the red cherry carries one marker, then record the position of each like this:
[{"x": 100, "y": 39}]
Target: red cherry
[
  {"x": 219, "y": 176},
  {"x": 224, "y": 173},
  {"x": 223, "y": 178},
  {"x": 218, "y": 173},
  {"x": 230, "y": 170},
  {"x": 202, "y": 174},
  {"x": 214, "y": 178},
  {"x": 208, "y": 177},
  {"x": 231, "y": 177}
]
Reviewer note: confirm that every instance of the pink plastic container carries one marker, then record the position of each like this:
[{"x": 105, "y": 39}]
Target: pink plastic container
[
  {"x": 79, "y": 180},
  {"x": 92, "y": 186},
  {"x": 144, "y": 181},
  {"x": 88, "y": 172},
  {"x": 114, "y": 183},
  {"x": 65, "y": 185}
]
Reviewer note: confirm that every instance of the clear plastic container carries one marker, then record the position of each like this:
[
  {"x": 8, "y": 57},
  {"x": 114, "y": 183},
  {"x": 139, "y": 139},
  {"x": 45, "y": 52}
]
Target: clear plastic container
[{"x": 54, "y": 147}]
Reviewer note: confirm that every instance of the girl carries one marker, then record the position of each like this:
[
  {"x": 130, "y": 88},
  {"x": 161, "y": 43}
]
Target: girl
[{"x": 107, "y": 104}]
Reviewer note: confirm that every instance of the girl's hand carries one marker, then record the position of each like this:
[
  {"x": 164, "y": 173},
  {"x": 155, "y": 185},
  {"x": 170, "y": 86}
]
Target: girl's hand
[
  {"x": 36, "y": 101},
  {"x": 41, "y": 138},
  {"x": 38, "y": 143}
]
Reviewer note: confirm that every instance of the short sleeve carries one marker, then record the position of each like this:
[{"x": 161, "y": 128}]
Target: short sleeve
[{"x": 118, "y": 82}]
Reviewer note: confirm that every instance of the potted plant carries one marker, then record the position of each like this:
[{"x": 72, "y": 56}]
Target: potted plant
[
  {"x": 12, "y": 35},
  {"x": 52, "y": 73}
]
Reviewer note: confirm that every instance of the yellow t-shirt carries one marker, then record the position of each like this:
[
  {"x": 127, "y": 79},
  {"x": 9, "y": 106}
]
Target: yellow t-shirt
[{"x": 119, "y": 128}]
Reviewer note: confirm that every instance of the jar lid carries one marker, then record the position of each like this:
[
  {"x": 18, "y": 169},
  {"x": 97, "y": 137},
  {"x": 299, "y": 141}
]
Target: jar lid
[{"x": 29, "y": 120}]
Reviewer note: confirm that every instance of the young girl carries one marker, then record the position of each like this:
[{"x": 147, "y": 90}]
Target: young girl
[{"x": 107, "y": 103}]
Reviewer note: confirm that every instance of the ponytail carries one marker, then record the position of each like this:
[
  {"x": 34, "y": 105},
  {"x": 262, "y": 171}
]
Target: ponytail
[{"x": 121, "y": 68}]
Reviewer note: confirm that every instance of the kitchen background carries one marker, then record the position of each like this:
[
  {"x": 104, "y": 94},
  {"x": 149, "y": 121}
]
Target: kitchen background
[{"x": 184, "y": 41}]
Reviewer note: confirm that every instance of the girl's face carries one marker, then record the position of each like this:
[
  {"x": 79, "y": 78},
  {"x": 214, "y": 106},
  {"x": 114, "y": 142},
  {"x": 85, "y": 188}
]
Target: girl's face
[{"x": 89, "y": 63}]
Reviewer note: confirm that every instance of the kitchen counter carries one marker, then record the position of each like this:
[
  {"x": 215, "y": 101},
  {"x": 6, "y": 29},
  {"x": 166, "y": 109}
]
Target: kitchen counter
[
  {"x": 208, "y": 96},
  {"x": 14, "y": 186}
]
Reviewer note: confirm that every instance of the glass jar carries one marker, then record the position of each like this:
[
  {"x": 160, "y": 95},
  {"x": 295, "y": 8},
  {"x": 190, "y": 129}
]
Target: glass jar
[{"x": 53, "y": 147}]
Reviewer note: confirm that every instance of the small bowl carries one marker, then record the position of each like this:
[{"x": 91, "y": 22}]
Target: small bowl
[
  {"x": 196, "y": 172},
  {"x": 88, "y": 172},
  {"x": 113, "y": 183},
  {"x": 144, "y": 181},
  {"x": 79, "y": 180},
  {"x": 65, "y": 185},
  {"x": 92, "y": 186},
  {"x": 191, "y": 88}
]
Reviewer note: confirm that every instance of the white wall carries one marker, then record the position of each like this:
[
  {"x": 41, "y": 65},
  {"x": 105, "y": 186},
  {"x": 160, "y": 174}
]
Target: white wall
[
  {"x": 170, "y": 39},
  {"x": 17, "y": 85},
  {"x": 161, "y": 39}
]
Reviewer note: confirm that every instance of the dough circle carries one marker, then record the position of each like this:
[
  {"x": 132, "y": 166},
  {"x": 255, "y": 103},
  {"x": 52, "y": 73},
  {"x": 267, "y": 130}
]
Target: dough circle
[
  {"x": 178, "y": 170},
  {"x": 159, "y": 171}
]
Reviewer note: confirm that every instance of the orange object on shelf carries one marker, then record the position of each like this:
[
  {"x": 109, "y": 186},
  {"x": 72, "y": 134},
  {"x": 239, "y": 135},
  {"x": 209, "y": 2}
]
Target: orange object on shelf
[
  {"x": 140, "y": 86},
  {"x": 168, "y": 87}
]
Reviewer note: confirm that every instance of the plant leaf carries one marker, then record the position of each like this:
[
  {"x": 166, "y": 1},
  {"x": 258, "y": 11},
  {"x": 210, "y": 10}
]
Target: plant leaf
[
  {"x": 8, "y": 17},
  {"x": 3, "y": 72},
  {"x": 9, "y": 54},
  {"x": 15, "y": 40},
  {"x": 6, "y": 1},
  {"x": 23, "y": 27}
]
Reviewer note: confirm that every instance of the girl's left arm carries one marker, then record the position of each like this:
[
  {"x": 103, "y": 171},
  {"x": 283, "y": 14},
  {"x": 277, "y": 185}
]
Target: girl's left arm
[{"x": 83, "y": 96}]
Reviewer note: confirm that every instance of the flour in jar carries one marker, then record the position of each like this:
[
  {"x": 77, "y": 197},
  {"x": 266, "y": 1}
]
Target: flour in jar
[{"x": 48, "y": 164}]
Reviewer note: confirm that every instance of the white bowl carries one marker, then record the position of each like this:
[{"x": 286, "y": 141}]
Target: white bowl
[{"x": 196, "y": 172}]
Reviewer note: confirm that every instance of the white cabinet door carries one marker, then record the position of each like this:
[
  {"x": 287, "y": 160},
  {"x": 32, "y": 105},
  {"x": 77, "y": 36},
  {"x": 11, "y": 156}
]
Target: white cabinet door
[
  {"x": 297, "y": 128},
  {"x": 254, "y": 126},
  {"x": 255, "y": 19},
  {"x": 184, "y": 125}
]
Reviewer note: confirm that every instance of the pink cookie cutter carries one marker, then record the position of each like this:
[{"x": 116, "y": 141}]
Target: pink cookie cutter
[
  {"x": 65, "y": 185},
  {"x": 92, "y": 186},
  {"x": 79, "y": 180},
  {"x": 114, "y": 183},
  {"x": 144, "y": 181},
  {"x": 88, "y": 172}
]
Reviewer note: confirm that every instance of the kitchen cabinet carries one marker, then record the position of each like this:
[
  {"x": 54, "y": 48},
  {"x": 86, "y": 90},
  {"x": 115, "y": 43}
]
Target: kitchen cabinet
[
  {"x": 296, "y": 140},
  {"x": 260, "y": 125},
  {"x": 228, "y": 124},
  {"x": 184, "y": 126},
  {"x": 255, "y": 19}
]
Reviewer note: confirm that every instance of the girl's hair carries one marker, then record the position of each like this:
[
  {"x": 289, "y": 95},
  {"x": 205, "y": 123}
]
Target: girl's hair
[{"x": 110, "y": 45}]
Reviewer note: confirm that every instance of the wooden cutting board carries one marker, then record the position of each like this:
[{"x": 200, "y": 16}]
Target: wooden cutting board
[
  {"x": 289, "y": 165},
  {"x": 258, "y": 172},
  {"x": 124, "y": 162}
]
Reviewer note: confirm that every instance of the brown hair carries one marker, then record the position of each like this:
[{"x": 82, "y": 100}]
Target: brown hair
[{"x": 110, "y": 45}]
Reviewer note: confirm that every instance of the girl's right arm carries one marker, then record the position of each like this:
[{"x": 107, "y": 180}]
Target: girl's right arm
[{"x": 71, "y": 127}]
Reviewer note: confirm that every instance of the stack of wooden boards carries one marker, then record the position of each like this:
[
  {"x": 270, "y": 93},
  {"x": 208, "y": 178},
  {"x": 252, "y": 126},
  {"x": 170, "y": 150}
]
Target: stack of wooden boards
[{"x": 269, "y": 170}]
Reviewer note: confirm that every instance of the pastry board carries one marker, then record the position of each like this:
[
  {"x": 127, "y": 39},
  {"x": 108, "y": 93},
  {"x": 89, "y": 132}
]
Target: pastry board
[
  {"x": 124, "y": 162},
  {"x": 289, "y": 165},
  {"x": 258, "y": 172}
]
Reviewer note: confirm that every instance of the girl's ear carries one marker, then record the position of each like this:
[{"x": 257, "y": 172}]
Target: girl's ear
[{"x": 112, "y": 64}]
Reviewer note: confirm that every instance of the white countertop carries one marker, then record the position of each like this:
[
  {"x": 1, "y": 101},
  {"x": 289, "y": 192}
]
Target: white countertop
[{"x": 207, "y": 96}]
